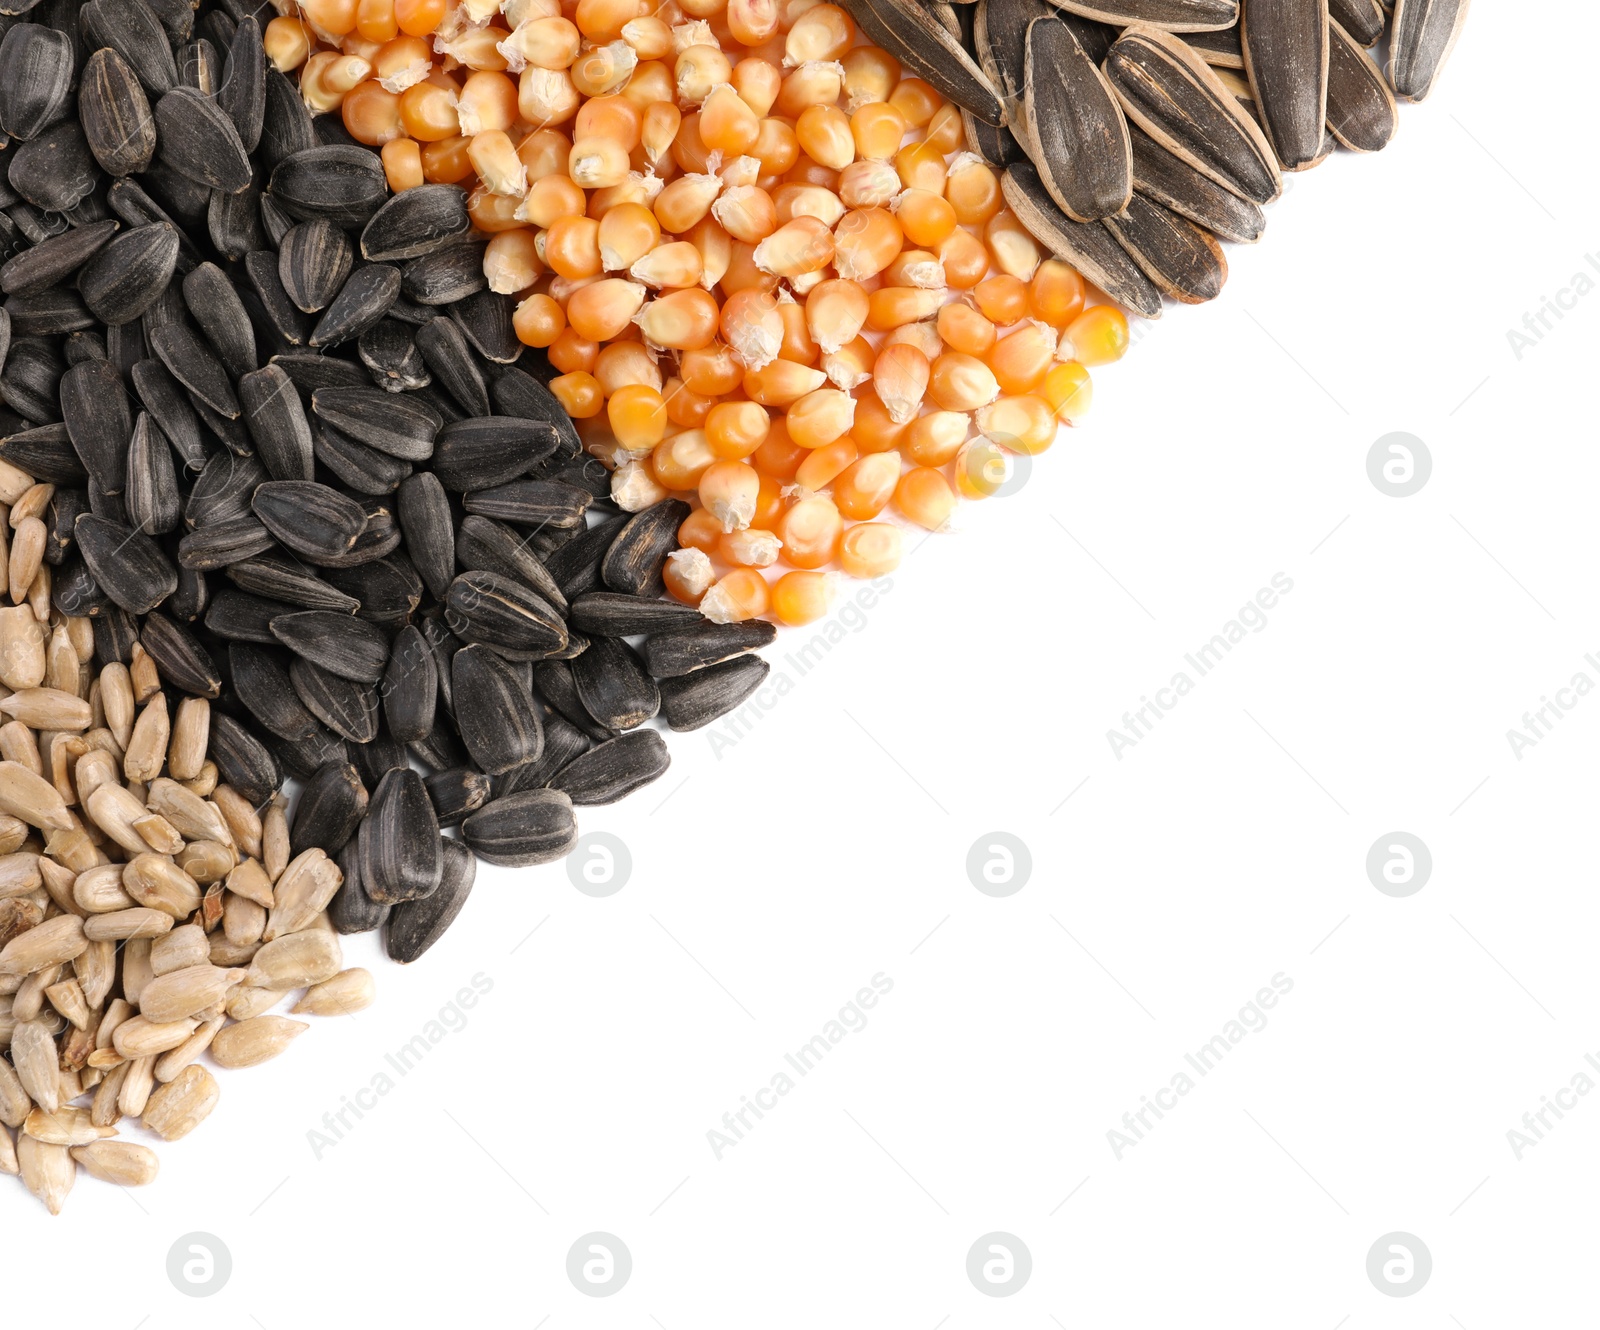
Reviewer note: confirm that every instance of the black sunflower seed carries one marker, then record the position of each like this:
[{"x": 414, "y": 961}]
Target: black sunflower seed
[
  {"x": 611, "y": 770},
  {"x": 311, "y": 519},
  {"x": 304, "y": 760},
  {"x": 55, "y": 171},
  {"x": 285, "y": 124},
  {"x": 575, "y": 565},
  {"x": 127, "y": 276},
  {"x": 439, "y": 749},
  {"x": 457, "y": 792},
  {"x": 415, "y": 223},
  {"x": 374, "y": 759},
  {"x": 613, "y": 686},
  {"x": 351, "y": 910},
  {"x": 400, "y": 425},
  {"x": 192, "y": 363},
  {"x": 42, "y": 266},
  {"x": 73, "y": 591},
  {"x": 485, "y": 545},
  {"x": 215, "y": 306},
  {"x": 401, "y": 855},
  {"x": 389, "y": 351},
  {"x": 308, "y": 372},
  {"x": 65, "y": 505},
  {"x": 444, "y": 349},
  {"x": 243, "y": 94},
  {"x": 45, "y": 453},
  {"x": 233, "y": 221},
  {"x": 428, "y": 526},
  {"x": 330, "y": 808},
  {"x": 115, "y": 633},
  {"x": 1076, "y": 133},
  {"x": 495, "y": 711},
  {"x": 128, "y": 567},
  {"x": 1363, "y": 20},
  {"x": 151, "y": 492},
  {"x": 48, "y": 313},
  {"x": 99, "y": 420},
  {"x": 339, "y": 643},
  {"x": 346, "y": 185},
  {"x": 36, "y": 68},
  {"x": 1362, "y": 113},
  {"x": 671, "y": 655},
  {"x": 261, "y": 268},
  {"x": 277, "y": 423},
  {"x": 30, "y": 381},
  {"x": 416, "y": 925},
  {"x": 410, "y": 686},
  {"x": 484, "y": 607},
  {"x": 697, "y": 699},
  {"x": 1173, "y": 182},
  {"x": 347, "y": 708},
  {"x": 484, "y": 317},
  {"x": 277, "y": 576},
  {"x": 179, "y": 655},
  {"x": 363, "y": 469},
  {"x": 563, "y": 741},
  {"x": 636, "y": 557},
  {"x": 1285, "y": 44},
  {"x": 196, "y": 139},
  {"x": 1422, "y": 35},
  {"x": 616, "y": 614},
  {"x": 243, "y": 761},
  {"x": 199, "y": 67},
  {"x": 926, "y": 49},
  {"x": 451, "y": 274},
  {"x": 236, "y": 616},
  {"x": 192, "y": 598},
  {"x": 1184, "y": 261},
  {"x": 223, "y": 489},
  {"x": 386, "y": 585},
  {"x": 1172, "y": 15},
  {"x": 482, "y": 452},
  {"x": 314, "y": 258},
  {"x": 536, "y": 503},
  {"x": 530, "y": 827},
  {"x": 517, "y": 393},
  {"x": 259, "y": 677}
]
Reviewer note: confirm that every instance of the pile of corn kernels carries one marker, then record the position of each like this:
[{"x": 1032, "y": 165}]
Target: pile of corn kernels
[{"x": 766, "y": 276}]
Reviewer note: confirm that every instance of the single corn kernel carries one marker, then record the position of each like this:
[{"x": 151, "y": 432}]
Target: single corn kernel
[
  {"x": 727, "y": 124},
  {"x": 287, "y": 42},
  {"x": 685, "y": 409},
  {"x": 735, "y": 430},
  {"x": 445, "y": 162},
  {"x": 579, "y": 394},
  {"x": 701, "y": 531},
  {"x": 699, "y": 69},
  {"x": 900, "y": 378},
  {"x": 625, "y": 362},
  {"x": 871, "y": 549},
  {"x": 982, "y": 469},
  {"x": 964, "y": 259},
  {"x": 716, "y": 250},
  {"x": 891, "y": 306},
  {"x": 1098, "y": 336},
  {"x": 864, "y": 488},
  {"x": 822, "y": 465},
  {"x": 915, "y": 267},
  {"x": 810, "y": 529},
  {"x": 549, "y": 43},
  {"x": 372, "y": 115},
  {"x": 429, "y": 112},
  {"x": 824, "y": 135},
  {"x": 802, "y": 597},
  {"x": 635, "y": 488},
  {"x": 604, "y": 20},
  {"x": 945, "y": 131},
  {"x": 796, "y": 200},
  {"x": 680, "y": 320},
  {"x": 836, "y": 311},
  {"x": 603, "y": 310},
  {"x": 614, "y": 118},
  {"x": 686, "y": 201},
  {"x": 402, "y": 164},
  {"x": 1002, "y": 299},
  {"x": 820, "y": 417},
  {"x": 546, "y": 97},
  {"x": 758, "y": 84},
  {"x": 877, "y": 129},
  {"x": 335, "y": 17},
  {"x": 921, "y": 166},
  {"x": 1014, "y": 250},
  {"x": 802, "y": 246},
  {"x": 598, "y": 163},
  {"x": 816, "y": 83},
  {"x": 1024, "y": 423},
  {"x": 752, "y": 22},
  {"x": 915, "y": 100},
  {"x": 798, "y": 345},
  {"x": 865, "y": 243},
  {"x": 628, "y": 232},
  {"x": 375, "y": 20},
  {"x": 1069, "y": 391},
  {"x": 729, "y": 490},
  {"x": 658, "y": 126},
  {"x": 868, "y": 184},
  {"x": 936, "y": 438},
  {"x": 713, "y": 371},
  {"x": 741, "y": 595},
  {"x": 492, "y": 212},
  {"x": 572, "y": 247},
  {"x": 782, "y": 382},
  {"x": 924, "y": 336},
  {"x": 666, "y": 266},
  {"x": 777, "y": 459},
  {"x": 650, "y": 37},
  {"x": 1022, "y": 358},
  {"x": 497, "y": 164},
  {"x": 603, "y": 70},
  {"x": 752, "y": 328},
  {"x": 776, "y": 147},
  {"x": 875, "y": 431},
  {"x": 550, "y": 199},
  {"x": 688, "y": 575},
  {"x": 570, "y": 352},
  {"x": 747, "y": 213},
  {"x": 972, "y": 189},
  {"x": 964, "y": 329},
  {"x": 651, "y": 83},
  {"x": 638, "y": 417},
  {"x": 851, "y": 365},
  {"x": 961, "y": 383},
  {"x": 870, "y": 76},
  {"x": 680, "y": 462},
  {"x": 822, "y": 32},
  {"x": 924, "y": 496},
  {"x": 538, "y": 320},
  {"x": 926, "y": 218},
  {"x": 1056, "y": 293},
  {"x": 419, "y": 17},
  {"x": 750, "y": 548}
]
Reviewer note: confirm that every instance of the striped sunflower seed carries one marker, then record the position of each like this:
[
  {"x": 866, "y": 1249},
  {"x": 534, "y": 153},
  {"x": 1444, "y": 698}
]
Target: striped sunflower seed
[
  {"x": 196, "y": 138},
  {"x": 314, "y": 258},
  {"x": 423, "y": 509},
  {"x": 1075, "y": 129},
  {"x": 243, "y": 91},
  {"x": 133, "y": 31},
  {"x": 1176, "y": 98},
  {"x": 1184, "y": 261},
  {"x": 925, "y": 48},
  {"x": 1000, "y": 38},
  {"x": 681, "y": 651},
  {"x": 194, "y": 365},
  {"x": 613, "y": 769},
  {"x": 399, "y": 841},
  {"x": 312, "y": 519},
  {"x": 214, "y": 304},
  {"x": 480, "y": 453},
  {"x": 177, "y": 654},
  {"x": 635, "y": 558},
  {"x": 697, "y": 699},
  {"x": 41, "y": 266},
  {"x": 366, "y": 296},
  {"x": 329, "y": 810},
  {"x": 339, "y": 644},
  {"x": 458, "y": 791},
  {"x": 1168, "y": 180},
  {"x": 1422, "y": 34},
  {"x": 444, "y": 348},
  {"x": 243, "y": 760},
  {"x": 1170, "y": 15},
  {"x": 1285, "y": 45},
  {"x": 349, "y": 709},
  {"x": 401, "y": 426},
  {"x": 415, "y": 223},
  {"x": 612, "y": 685},
  {"x": 487, "y": 608},
  {"x": 415, "y": 925},
  {"x": 276, "y": 576},
  {"x": 1362, "y": 113},
  {"x": 495, "y": 711},
  {"x": 36, "y": 68},
  {"x": 517, "y": 830},
  {"x": 410, "y": 687},
  {"x": 344, "y": 184},
  {"x": 1220, "y": 49}
]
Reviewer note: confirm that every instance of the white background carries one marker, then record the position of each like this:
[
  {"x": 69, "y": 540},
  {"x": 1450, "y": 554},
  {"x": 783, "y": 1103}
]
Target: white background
[{"x": 772, "y": 880}]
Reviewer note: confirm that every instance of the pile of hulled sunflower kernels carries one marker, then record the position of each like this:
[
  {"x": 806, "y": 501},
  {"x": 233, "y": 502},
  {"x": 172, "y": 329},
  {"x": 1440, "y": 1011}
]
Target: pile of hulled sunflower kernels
[{"x": 766, "y": 278}]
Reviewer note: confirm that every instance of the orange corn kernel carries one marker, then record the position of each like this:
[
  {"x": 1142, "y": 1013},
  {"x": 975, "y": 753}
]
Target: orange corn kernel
[
  {"x": 802, "y": 597},
  {"x": 667, "y": 266},
  {"x": 924, "y": 496},
  {"x": 822, "y": 32},
  {"x": 712, "y": 371},
  {"x": 891, "y": 306},
  {"x": 735, "y": 430},
  {"x": 815, "y": 84},
  {"x": 936, "y": 438},
  {"x": 822, "y": 465},
  {"x": 1002, "y": 299},
  {"x": 877, "y": 129},
  {"x": 419, "y": 17},
  {"x": 915, "y": 267},
  {"x": 752, "y": 327},
  {"x": 1021, "y": 359},
  {"x": 1069, "y": 391},
  {"x": 697, "y": 70},
  {"x": 1015, "y": 252},
  {"x": 650, "y": 37},
  {"x": 776, "y": 147},
  {"x": 729, "y": 489},
  {"x": 603, "y": 20},
  {"x": 751, "y": 22},
  {"x": 680, "y": 462},
  {"x": 625, "y": 362},
  {"x": 973, "y": 190},
  {"x": 511, "y": 265},
  {"x": 716, "y": 251},
  {"x": 782, "y": 382},
  {"x": 871, "y": 549},
  {"x": 446, "y": 162},
  {"x": 495, "y": 160},
  {"x": 926, "y": 218},
  {"x": 651, "y": 83},
  {"x": 287, "y": 42},
  {"x": 572, "y": 247},
  {"x": 638, "y": 418},
  {"x": 945, "y": 131},
  {"x": 375, "y": 20},
  {"x": 865, "y": 243},
  {"x": 874, "y": 430},
  {"x": 797, "y": 344},
  {"x": 1056, "y": 293},
  {"x": 769, "y": 504},
  {"x": 429, "y": 112},
  {"x": 700, "y": 531},
  {"x": 604, "y": 69},
  {"x": 921, "y": 166},
  {"x": 552, "y": 198},
  {"x": 685, "y": 409},
  {"x": 915, "y": 100},
  {"x": 680, "y": 320},
  {"x": 801, "y": 246},
  {"x": 597, "y": 163},
  {"x": 544, "y": 152},
  {"x": 741, "y": 595},
  {"x": 546, "y": 97},
  {"x": 727, "y": 124},
  {"x": 820, "y": 417},
  {"x": 851, "y": 365},
  {"x": 336, "y": 17},
  {"x": 747, "y": 213},
  {"x": 492, "y": 212},
  {"x": 964, "y": 259},
  {"x": 964, "y": 329},
  {"x": 688, "y": 575},
  {"x": 758, "y": 84},
  {"x": 962, "y": 383},
  {"x": 685, "y": 201},
  {"x": 570, "y": 352},
  {"x": 402, "y": 164},
  {"x": 658, "y": 126},
  {"x": 825, "y": 136},
  {"x": 864, "y": 488},
  {"x": 549, "y": 43},
  {"x": 835, "y": 312},
  {"x": 981, "y": 469},
  {"x": 603, "y": 310},
  {"x": 810, "y": 529},
  {"x": 488, "y": 100},
  {"x": 1024, "y": 423},
  {"x": 628, "y": 232},
  {"x": 579, "y": 394},
  {"x": 778, "y": 457},
  {"x": 750, "y": 548},
  {"x": 868, "y": 184},
  {"x": 870, "y": 75},
  {"x": 900, "y": 378},
  {"x": 1099, "y": 335}
]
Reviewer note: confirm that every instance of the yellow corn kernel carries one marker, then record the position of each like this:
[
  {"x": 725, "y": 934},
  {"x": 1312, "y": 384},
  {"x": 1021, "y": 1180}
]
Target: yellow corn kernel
[
  {"x": 945, "y": 131},
  {"x": 602, "y": 310},
  {"x": 1022, "y": 358},
  {"x": 736, "y": 429},
  {"x": 936, "y": 438},
  {"x": 802, "y": 597},
  {"x": 686, "y": 201},
  {"x": 825, "y": 136},
  {"x": 802, "y": 246},
  {"x": 1069, "y": 391},
  {"x": 961, "y": 383},
  {"x": 666, "y": 266},
  {"x": 810, "y": 529},
  {"x": 604, "y": 20},
  {"x": 546, "y": 97},
  {"x": 727, "y": 124},
  {"x": 981, "y": 469},
  {"x": 891, "y": 306},
  {"x": 964, "y": 259},
  {"x": 538, "y": 321},
  {"x": 1056, "y": 293},
  {"x": 865, "y": 243},
  {"x": 742, "y": 594},
  {"x": 679, "y": 463},
  {"x": 680, "y": 320},
  {"x": 871, "y": 549},
  {"x": 650, "y": 37},
  {"x": 1025, "y": 423},
  {"x": 820, "y": 417},
  {"x": 964, "y": 329},
  {"x": 579, "y": 394},
  {"x": 818, "y": 83},
  {"x": 836, "y": 311},
  {"x": 870, "y": 76},
  {"x": 822, "y": 465},
  {"x": 851, "y": 365},
  {"x": 747, "y": 213},
  {"x": 864, "y": 488},
  {"x": 402, "y": 164},
  {"x": 758, "y": 84},
  {"x": 752, "y": 22},
  {"x": 900, "y": 377},
  {"x": 511, "y": 262},
  {"x": 604, "y": 70},
  {"x": 915, "y": 100},
  {"x": 782, "y": 382},
  {"x": 628, "y": 232},
  {"x": 625, "y": 362},
  {"x": 697, "y": 70},
  {"x": 688, "y": 575},
  {"x": 638, "y": 418},
  {"x": 924, "y": 496},
  {"x": 287, "y": 42},
  {"x": 752, "y": 328},
  {"x": 1098, "y": 336},
  {"x": 729, "y": 489},
  {"x": 797, "y": 344},
  {"x": 750, "y": 548},
  {"x": 1015, "y": 252},
  {"x": 497, "y": 163}
]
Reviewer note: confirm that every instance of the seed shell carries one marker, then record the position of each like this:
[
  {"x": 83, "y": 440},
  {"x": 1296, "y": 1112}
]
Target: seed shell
[
  {"x": 1076, "y": 133},
  {"x": 36, "y": 68},
  {"x": 1362, "y": 113},
  {"x": 415, "y": 223},
  {"x": 400, "y": 425},
  {"x": 495, "y": 711},
  {"x": 613, "y": 769},
  {"x": 1170, "y": 15},
  {"x": 415, "y": 925},
  {"x": 344, "y": 184},
  {"x": 1168, "y": 180},
  {"x": 339, "y": 644},
  {"x": 179, "y": 656},
  {"x": 1184, "y": 261},
  {"x": 196, "y": 138},
  {"x": 243, "y": 760},
  {"x": 518, "y": 830},
  {"x": 1363, "y": 20},
  {"x": 366, "y": 296},
  {"x": 401, "y": 854},
  {"x": 1422, "y": 34},
  {"x": 1285, "y": 45},
  {"x": 313, "y": 520},
  {"x": 127, "y": 566},
  {"x": 43, "y": 265},
  {"x": 349, "y": 709},
  {"x": 926, "y": 49},
  {"x": 192, "y": 363},
  {"x": 128, "y": 274},
  {"x": 487, "y": 608},
  {"x": 329, "y": 810},
  {"x": 215, "y": 306}
]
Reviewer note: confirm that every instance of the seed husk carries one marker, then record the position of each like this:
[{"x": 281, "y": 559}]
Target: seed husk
[
  {"x": 243, "y": 94},
  {"x": 313, "y": 520},
  {"x": 36, "y": 68},
  {"x": 1422, "y": 34},
  {"x": 1184, "y": 261},
  {"x": 178, "y": 654},
  {"x": 314, "y": 259},
  {"x": 330, "y": 809},
  {"x": 151, "y": 492},
  {"x": 1362, "y": 113},
  {"x": 1170, "y": 15},
  {"x": 1089, "y": 247},
  {"x": 1076, "y": 133},
  {"x": 243, "y": 760},
  {"x": 192, "y": 363},
  {"x": 485, "y": 607},
  {"x": 634, "y": 560},
  {"x": 344, "y": 184},
  {"x": 399, "y": 841},
  {"x": 55, "y": 171},
  {"x": 495, "y": 711},
  {"x": 410, "y": 686},
  {"x": 415, "y": 925},
  {"x": 697, "y": 699},
  {"x": 444, "y": 348},
  {"x": 215, "y": 306},
  {"x": 366, "y": 296},
  {"x": 615, "y": 614},
  {"x": 346, "y": 707},
  {"x": 415, "y": 223},
  {"x": 423, "y": 509},
  {"x": 1170, "y": 181},
  {"x": 261, "y": 680},
  {"x": 41, "y": 266},
  {"x": 127, "y": 566},
  {"x": 611, "y": 770},
  {"x": 613, "y": 686},
  {"x": 482, "y": 452},
  {"x": 222, "y": 544},
  {"x": 339, "y": 644},
  {"x": 278, "y": 576},
  {"x": 530, "y": 827},
  {"x": 196, "y": 138},
  {"x": 1285, "y": 45},
  {"x": 1175, "y": 97},
  {"x": 1363, "y": 20},
  {"x": 133, "y": 31},
  {"x": 1000, "y": 39},
  {"x": 925, "y": 48},
  {"x": 399, "y": 425},
  {"x": 489, "y": 546}
]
